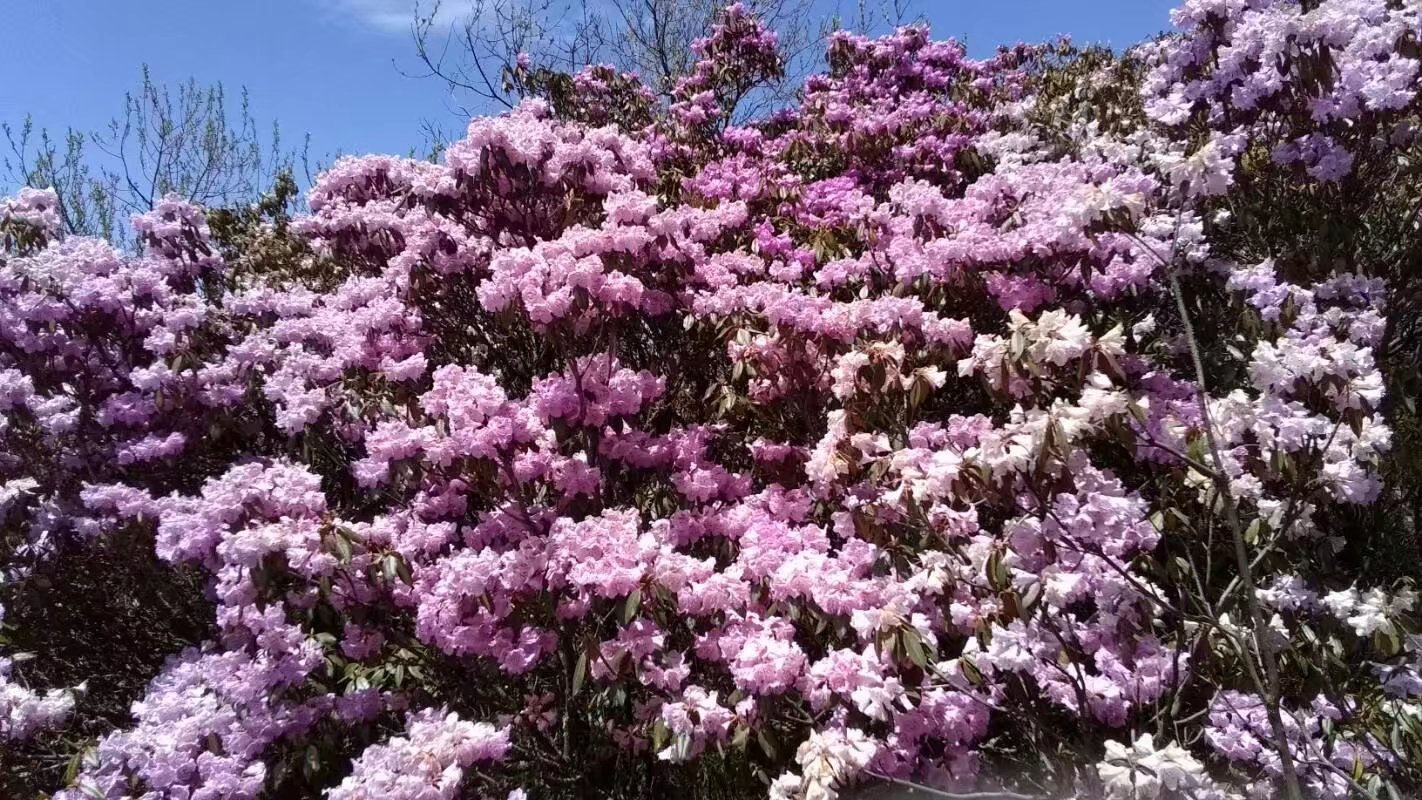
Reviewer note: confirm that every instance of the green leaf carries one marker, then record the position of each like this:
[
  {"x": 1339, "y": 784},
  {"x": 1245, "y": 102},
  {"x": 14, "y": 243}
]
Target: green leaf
[
  {"x": 1012, "y": 605},
  {"x": 998, "y": 576},
  {"x": 1196, "y": 450},
  {"x": 343, "y": 547},
  {"x": 660, "y": 735},
  {"x": 1137, "y": 412},
  {"x": 580, "y": 674},
  {"x": 920, "y": 391},
  {"x": 1251, "y": 535},
  {"x": 914, "y": 649},
  {"x": 76, "y": 763},
  {"x": 311, "y": 762},
  {"x": 1030, "y": 598},
  {"x": 1387, "y": 643},
  {"x": 971, "y": 671},
  {"x": 767, "y": 743},
  {"x": 631, "y": 605}
]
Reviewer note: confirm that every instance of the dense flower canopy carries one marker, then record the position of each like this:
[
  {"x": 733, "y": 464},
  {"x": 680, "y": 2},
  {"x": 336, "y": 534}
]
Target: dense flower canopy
[{"x": 908, "y": 433}]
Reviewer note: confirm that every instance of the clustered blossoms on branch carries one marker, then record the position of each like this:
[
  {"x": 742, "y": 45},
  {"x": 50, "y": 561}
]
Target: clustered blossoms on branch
[
  {"x": 869, "y": 440},
  {"x": 24, "y": 712}
]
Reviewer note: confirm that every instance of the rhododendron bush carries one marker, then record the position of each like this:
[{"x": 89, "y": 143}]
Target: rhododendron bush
[{"x": 964, "y": 424}]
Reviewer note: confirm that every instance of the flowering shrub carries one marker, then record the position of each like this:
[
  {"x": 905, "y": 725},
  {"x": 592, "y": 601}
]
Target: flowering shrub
[{"x": 937, "y": 429}]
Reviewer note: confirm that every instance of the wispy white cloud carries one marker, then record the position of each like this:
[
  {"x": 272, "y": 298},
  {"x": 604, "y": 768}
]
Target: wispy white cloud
[{"x": 392, "y": 16}]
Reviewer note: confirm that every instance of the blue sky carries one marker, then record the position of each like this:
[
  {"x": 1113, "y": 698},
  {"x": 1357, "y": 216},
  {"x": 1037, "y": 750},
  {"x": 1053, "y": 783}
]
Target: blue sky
[{"x": 332, "y": 68}]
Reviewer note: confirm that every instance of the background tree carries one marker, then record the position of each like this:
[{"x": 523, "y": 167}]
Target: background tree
[
  {"x": 488, "y": 40},
  {"x": 185, "y": 141}
]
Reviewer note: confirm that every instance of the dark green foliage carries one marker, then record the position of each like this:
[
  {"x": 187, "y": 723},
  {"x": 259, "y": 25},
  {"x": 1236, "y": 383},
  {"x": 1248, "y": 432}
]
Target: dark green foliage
[{"x": 108, "y": 613}]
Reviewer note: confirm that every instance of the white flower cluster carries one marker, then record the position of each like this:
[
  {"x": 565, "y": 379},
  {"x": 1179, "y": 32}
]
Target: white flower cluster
[
  {"x": 1373, "y": 611},
  {"x": 425, "y": 764},
  {"x": 25, "y": 712},
  {"x": 1144, "y": 772},
  {"x": 827, "y": 760}
]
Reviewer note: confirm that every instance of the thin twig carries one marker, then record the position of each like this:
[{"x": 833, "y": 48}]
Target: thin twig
[
  {"x": 1243, "y": 562},
  {"x": 1262, "y": 643},
  {"x": 918, "y": 787}
]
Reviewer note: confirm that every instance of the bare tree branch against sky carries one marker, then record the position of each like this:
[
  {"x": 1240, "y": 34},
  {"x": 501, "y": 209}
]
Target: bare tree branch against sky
[{"x": 340, "y": 69}]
